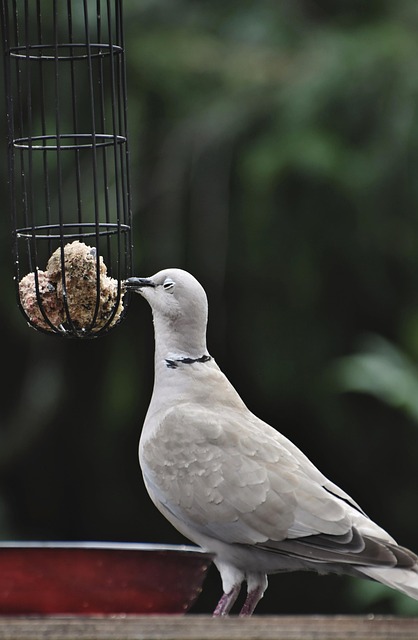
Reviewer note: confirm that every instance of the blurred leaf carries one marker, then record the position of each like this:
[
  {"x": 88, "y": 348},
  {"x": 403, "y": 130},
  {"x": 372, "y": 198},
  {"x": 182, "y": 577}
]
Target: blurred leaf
[
  {"x": 368, "y": 595},
  {"x": 382, "y": 370}
]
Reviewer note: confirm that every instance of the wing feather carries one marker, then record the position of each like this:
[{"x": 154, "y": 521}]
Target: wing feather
[{"x": 237, "y": 480}]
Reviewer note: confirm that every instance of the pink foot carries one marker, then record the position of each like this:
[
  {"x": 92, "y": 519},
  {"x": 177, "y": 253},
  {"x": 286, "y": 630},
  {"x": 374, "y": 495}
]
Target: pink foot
[
  {"x": 253, "y": 598},
  {"x": 226, "y": 602}
]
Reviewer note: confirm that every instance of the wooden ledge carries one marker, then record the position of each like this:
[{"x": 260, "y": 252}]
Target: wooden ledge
[{"x": 202, "y": 627}]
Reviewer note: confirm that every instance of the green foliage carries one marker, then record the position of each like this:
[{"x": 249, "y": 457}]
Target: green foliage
[{"x": 383, "y": 371}]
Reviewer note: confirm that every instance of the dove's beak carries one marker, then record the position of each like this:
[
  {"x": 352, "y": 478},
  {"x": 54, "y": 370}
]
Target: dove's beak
[{"x": 135, "y": 284}]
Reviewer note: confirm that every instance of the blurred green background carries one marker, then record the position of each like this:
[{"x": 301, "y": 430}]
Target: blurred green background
[{"x": 274, "y": 154}]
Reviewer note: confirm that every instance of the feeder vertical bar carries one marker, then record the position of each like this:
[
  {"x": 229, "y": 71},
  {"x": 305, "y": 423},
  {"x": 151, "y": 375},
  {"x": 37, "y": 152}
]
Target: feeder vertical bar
[
  {"x": 111, "y": 55},
  {"x": 57, "y": 119},
  {"x": 94, "y": 158},
  {"x": 102, "y": 114},
  {"x": 47, "y": 194},
  {"x": 28, "y": 144},
  {"x": 115, "y": 54},
  {"x": 125, "y": 178},
  {"x": 116, "y": 144},
  {"x": 58, "y": 156},
  {"x": 74, "y": 111},
  {"x": 10, "y": 129},
  {"x": 22, "y": 165}
]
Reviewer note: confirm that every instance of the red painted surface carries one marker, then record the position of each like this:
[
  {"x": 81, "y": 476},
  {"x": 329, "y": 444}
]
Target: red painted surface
[{"x": 93, "y": 581}]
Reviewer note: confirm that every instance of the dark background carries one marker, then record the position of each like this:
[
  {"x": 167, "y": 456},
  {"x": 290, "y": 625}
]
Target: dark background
[{"x": 274, "y": 154}]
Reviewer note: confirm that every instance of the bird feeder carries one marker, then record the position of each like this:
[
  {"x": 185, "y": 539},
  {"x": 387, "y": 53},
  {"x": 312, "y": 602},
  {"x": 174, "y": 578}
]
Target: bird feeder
[{"x": 65, "y": 86}]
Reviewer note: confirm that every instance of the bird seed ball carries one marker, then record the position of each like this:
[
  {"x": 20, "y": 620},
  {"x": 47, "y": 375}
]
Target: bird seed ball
[{"x": 71, "y": 275}]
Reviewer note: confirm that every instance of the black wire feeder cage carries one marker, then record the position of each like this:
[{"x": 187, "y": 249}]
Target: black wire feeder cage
[{"x": 65, "y": 86}]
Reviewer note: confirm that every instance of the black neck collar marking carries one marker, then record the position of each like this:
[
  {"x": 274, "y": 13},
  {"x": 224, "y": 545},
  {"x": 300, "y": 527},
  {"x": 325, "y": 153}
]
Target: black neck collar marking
[{"x": 173, "y": 364}]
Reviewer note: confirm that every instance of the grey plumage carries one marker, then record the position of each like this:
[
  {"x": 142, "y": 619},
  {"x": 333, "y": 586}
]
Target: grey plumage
[{"x": 233, "y": 484}]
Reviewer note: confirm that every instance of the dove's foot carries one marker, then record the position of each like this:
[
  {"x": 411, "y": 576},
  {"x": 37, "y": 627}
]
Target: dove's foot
[
  {"x": 253, "y": 598},
  {"x": 226, "y": 602}
]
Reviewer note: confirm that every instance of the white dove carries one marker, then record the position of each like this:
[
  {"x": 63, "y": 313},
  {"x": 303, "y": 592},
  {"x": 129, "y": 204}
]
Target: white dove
[{"x": 234, "y": 485}]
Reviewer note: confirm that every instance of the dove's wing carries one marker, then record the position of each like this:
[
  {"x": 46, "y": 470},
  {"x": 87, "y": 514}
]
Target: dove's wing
[{"x": 232, "y": 478}]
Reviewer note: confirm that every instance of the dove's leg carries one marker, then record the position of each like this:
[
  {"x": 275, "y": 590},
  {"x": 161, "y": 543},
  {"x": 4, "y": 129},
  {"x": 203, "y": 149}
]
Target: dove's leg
[
  {"x": 232, "y": 579},
  {"x": 256, "y": 585},
  {"x": 226, "y": 602}
]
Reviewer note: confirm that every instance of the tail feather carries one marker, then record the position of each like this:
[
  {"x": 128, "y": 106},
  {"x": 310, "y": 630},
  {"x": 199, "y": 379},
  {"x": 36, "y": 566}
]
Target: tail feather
[{"x": 404, "y": 580}]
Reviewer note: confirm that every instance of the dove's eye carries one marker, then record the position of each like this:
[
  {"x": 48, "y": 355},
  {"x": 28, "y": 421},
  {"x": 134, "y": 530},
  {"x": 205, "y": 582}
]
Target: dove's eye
[{"x": 168, "y": 284}]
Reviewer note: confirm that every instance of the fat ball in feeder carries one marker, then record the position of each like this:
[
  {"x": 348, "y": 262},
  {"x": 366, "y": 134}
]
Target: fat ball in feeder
[{"x": 72, "y": 289}]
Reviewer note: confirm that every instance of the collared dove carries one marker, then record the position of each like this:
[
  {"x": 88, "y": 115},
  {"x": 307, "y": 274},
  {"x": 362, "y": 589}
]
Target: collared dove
[{"x": 234, "y": 485}]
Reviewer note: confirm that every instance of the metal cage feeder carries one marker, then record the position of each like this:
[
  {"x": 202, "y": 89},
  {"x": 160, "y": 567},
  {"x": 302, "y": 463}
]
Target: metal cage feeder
[{"x": 66, "y": 102}]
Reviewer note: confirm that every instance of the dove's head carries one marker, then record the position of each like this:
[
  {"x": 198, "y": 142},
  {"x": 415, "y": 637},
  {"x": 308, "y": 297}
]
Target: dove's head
[{"x": 180, "y": 310}]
